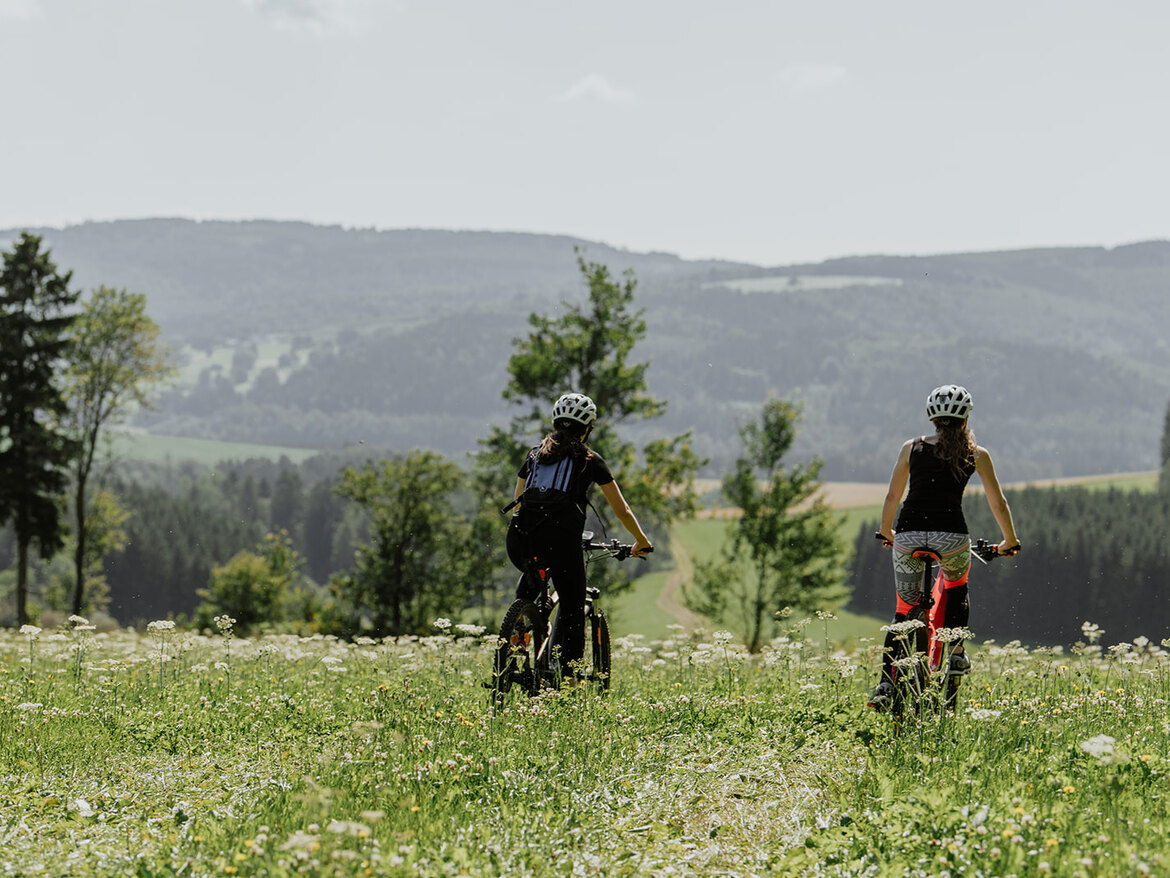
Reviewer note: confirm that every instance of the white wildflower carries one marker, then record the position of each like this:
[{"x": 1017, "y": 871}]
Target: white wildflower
[
  {"x": 904, "y": 627},
  {"x": 442, "y": 624},
  {"x": 950, "y": 635},
  {"x": 1102, "y": 748},
  {"x": 83, "y": 808},
  {"x": 983, "y": 714}
]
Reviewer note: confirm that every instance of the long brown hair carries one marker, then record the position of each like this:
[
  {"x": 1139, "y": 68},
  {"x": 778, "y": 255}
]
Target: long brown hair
[
  {"x": 956, "y": 445},
  {"x": 566, "y": 440}
]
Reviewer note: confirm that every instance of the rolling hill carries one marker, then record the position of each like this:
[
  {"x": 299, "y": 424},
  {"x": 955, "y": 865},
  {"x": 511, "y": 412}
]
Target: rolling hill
[{"x": 320, "y": 337}]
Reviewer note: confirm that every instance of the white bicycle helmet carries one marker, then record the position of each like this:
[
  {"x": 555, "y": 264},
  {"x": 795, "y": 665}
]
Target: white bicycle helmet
[
  {"x": 949, "y": 401},
  {"x": 576, "y": 407}
]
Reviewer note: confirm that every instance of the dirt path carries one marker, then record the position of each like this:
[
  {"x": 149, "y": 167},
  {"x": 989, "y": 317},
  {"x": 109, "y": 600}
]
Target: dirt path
[{"x": 670, "y": 599}]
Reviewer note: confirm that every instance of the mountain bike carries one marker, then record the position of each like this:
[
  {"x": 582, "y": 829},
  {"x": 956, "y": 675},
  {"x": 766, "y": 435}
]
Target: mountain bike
[
  {"x": 921, "y": 656},
  {"x": 525, "y": 657}
]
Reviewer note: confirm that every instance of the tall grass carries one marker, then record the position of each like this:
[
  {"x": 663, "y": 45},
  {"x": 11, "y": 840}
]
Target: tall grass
[{"x": 192, "y": 753}]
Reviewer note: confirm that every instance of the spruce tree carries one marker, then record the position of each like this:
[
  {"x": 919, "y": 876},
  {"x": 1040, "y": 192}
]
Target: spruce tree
[{"x": 35, "y": 453}]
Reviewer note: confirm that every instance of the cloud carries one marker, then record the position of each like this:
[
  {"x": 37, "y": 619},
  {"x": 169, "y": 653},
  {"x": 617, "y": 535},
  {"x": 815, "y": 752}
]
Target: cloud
[
  {"x": 22, "y": 10},
  {"x": 597, "y": 87},
  {"x": 801, "y": 78},
  {"x": 311, "y": 15}
]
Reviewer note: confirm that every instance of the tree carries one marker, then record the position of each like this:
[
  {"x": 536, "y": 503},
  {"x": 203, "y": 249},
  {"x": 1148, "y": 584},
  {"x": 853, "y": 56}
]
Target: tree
[
  {"x": 784, "y": 550},
  {"x": 1164, "y": 477},
  {"x": 404, "y": 577},
  {"x": 35, "y": 452},
  {"x": 252, "y": 587},
  {"x": 114, "y": 364},
  {"x": 588, "y": 349}
]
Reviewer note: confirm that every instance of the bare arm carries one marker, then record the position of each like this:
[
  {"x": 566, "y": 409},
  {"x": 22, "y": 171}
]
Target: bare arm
[
  {"x": 996, "y": 500},
  {"x": 898, "y": 480},
  {"x": 519, "y": 488},
  {"x": 626, "y": 516}
]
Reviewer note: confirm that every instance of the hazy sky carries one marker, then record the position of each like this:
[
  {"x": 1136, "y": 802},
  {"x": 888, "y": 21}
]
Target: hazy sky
[{"x": 771, "y": 132}]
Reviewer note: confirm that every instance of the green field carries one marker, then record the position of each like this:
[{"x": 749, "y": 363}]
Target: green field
[
  {"x": 636, "y": 610},
  {"x": 175, "y": 449}
]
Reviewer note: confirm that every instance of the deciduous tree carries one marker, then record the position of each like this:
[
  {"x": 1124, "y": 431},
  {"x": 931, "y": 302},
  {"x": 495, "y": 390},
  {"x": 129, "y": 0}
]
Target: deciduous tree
[
  {"x": 404, "y": 576},
  {"x": 783, "y": 550},
  {"x": 114, "y": 364},
  {"x": 252, "y": 587},
  {"x": 589, "y": 348}
]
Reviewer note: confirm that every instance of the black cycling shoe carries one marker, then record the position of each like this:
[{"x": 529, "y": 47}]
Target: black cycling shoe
[
  {"x": 881, "y": 696},
  {"x": 960, "y": 664}
]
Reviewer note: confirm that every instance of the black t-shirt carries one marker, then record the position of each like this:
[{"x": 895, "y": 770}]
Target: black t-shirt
[
  {"x": 935, "y": 498},
  {"x": 592, "y": 471}
]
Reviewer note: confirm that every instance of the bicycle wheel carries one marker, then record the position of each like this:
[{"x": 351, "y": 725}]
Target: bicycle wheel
[
  {"x": 521, "y": 636},
  {"x": 599, "y": 645}
]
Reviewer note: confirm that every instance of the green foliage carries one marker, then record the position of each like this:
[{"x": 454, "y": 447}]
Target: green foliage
[
  {"x": 405, "y": 576},
  {"x": 588, "y": 348},
  {"x": 253, "y": 588},
  {"x": 35, "y": 302},
  {"x": 114, "y": 363},
  {"x": 783, "y": 550}
]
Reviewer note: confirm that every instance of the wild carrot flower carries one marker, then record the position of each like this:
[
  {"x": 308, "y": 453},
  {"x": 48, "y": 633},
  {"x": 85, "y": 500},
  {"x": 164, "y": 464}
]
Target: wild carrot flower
[
  {"x": 1102, "y": 748},
  {"x": 950, "y": 635},
  {"x": 904, "y": 627}
]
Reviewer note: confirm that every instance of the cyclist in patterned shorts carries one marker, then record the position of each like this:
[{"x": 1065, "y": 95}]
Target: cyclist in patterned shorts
[{"x": 937, "y": 468}]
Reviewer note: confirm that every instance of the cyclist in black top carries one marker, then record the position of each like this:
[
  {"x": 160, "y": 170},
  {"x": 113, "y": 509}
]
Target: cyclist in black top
[
  {"x": 937, "y": 468},
  {"x": 554, "y": 538}
]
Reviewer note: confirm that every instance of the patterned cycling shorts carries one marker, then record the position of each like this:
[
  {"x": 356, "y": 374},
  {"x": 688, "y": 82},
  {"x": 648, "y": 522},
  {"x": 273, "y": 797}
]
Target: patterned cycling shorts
[{"x": 954, "y": 550}]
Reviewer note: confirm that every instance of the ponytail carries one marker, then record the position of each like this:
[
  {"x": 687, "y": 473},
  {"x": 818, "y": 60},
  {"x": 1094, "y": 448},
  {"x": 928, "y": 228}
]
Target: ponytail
[
  {"x": 566, "y": 440},
  {"x": 956, "y": 445}
]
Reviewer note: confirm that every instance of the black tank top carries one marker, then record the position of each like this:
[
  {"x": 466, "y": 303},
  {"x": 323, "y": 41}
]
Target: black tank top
[{"x": 935, "y": 498}]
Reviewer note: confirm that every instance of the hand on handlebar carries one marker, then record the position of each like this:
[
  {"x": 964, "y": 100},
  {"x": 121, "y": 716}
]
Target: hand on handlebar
[
  {"x": 886, "y": 541},
  {"x": 1007, "y": 551},
  {"x": 641, "y": 549}
]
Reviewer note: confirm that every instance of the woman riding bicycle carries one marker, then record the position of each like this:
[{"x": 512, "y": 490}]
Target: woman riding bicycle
[
  {"x": 937, "y": 468},
  {"x": 547, "y": 532}
]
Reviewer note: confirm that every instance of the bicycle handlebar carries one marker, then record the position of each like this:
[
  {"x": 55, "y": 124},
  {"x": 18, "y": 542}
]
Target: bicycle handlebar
[
  {"x": 621, "y": 551},
  {"x": 981, "y": 548}
]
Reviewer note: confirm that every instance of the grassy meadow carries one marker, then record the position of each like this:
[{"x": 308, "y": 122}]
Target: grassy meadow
[{"x": 171, "y": 752}]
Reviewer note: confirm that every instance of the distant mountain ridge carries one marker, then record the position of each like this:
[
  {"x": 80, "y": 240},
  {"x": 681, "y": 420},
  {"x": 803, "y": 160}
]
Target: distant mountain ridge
[{"x": 318, "y": 336}]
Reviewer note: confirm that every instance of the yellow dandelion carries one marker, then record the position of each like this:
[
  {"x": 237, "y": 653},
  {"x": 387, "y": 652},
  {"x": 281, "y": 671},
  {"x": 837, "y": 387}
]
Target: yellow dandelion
[{"x": 1068, "y": 789}]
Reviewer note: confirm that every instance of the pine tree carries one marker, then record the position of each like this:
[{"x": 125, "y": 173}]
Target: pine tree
[{"x": 35, "y": 452}]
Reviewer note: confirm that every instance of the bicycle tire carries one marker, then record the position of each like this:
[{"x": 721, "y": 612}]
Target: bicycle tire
[
  {"x": 600, "y": 649},
  {"x": 521, "y": 636},
  {"x": 952, "y": 691}
]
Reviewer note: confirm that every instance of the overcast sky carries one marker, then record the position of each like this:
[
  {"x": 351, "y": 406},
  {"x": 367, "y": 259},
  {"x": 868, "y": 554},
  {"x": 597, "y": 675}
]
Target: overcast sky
[{"x": 770, "y": 132}]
